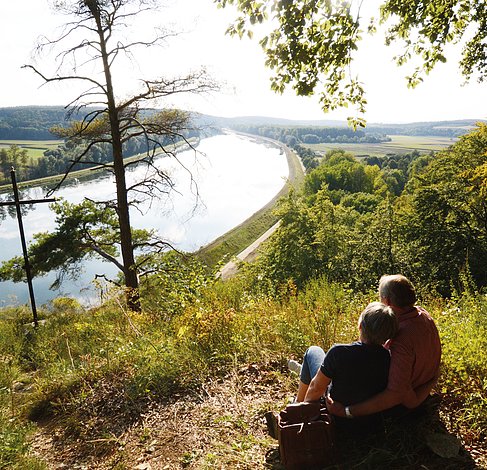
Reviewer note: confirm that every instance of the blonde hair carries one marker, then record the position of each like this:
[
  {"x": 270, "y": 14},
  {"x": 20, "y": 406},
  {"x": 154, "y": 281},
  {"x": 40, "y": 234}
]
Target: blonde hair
[{"x": 378, "y": 323}]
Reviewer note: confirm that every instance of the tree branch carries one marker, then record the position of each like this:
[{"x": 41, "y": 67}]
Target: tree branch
[{"x": 64, "y": 78}]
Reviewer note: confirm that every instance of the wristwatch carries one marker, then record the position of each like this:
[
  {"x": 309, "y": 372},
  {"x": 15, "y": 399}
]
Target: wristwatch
[{"x": 348, "y": 413}]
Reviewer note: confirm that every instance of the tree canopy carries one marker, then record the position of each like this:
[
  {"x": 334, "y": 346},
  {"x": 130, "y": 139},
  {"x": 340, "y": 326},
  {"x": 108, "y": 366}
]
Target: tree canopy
[
  {"x": 313, "y": 43},
  {"x": 354, "y": 221}
]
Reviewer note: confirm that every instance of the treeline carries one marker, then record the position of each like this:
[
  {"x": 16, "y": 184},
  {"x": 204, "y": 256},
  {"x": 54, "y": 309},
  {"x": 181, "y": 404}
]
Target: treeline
[
  {"x": 17, "y": 158},
  {"x": 421, "y": 215},
  {"x": 33, "y": 123},
  {"x": 30, "y": 122},
  {"x": 440, "y": 128},
  {"x": 58, "y": 161},
  {"x": 293, "y": 136},
  {"x": 308, "y": 157}
]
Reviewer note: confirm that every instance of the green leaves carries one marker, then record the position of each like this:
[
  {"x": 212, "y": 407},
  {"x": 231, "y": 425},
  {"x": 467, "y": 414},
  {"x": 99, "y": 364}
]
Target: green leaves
[
  {"x": 310, "y": 50},
  {"x": 443, "y": 216},
  {"x": 426, "y": 28},
  {"x": 312, "y": 47},
  {"x": 82, "y": 230},
  {"x": 423, "y": 216}
]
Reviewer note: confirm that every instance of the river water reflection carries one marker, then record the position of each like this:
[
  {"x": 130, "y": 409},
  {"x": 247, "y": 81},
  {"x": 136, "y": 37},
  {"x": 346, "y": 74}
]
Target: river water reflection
[{"x": 235, "y": 176}]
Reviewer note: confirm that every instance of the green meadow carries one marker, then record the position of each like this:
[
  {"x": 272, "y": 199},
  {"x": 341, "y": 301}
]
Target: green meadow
[
  {"x": 35, "y": 148},
  {"x": 400, "y": 144}
]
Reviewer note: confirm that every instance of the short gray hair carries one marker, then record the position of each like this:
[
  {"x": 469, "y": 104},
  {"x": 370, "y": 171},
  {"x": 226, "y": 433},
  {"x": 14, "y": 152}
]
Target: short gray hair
[
  {"x": 378, "y": 323},
  {"x": 398, "y": 290}
]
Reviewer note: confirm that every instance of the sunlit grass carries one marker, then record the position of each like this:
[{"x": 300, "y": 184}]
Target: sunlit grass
[{"x": 93, "y": 368}]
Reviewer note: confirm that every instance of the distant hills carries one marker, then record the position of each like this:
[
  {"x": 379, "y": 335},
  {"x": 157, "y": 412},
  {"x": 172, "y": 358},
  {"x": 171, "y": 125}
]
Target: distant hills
[
  {"x": 433, "y": 128},
  {"x": 270, "y": 121},
  {"x": 439, "y": 128},
  {"x": 453, "y": 128},
  {"x": 34, "y": 122}
]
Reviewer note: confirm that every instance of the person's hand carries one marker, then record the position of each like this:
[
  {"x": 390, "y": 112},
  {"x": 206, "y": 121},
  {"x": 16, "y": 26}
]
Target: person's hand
[{"x": 335, "y": 407}]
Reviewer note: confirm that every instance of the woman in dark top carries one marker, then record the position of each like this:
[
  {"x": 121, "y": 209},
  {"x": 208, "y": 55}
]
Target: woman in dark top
[{"x": 351, "y": 373}]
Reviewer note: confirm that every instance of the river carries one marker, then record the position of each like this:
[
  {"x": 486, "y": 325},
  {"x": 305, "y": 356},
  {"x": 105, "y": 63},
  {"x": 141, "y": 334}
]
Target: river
[{"x": 235, "y": 176}]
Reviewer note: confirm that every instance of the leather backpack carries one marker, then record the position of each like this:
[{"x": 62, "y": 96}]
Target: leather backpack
[{"x": 306, "y": 435}]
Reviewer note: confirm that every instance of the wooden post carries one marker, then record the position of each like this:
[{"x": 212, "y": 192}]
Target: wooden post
[
  {"x": 28, "y": 271},
  {"x": 17, "y": 202}
]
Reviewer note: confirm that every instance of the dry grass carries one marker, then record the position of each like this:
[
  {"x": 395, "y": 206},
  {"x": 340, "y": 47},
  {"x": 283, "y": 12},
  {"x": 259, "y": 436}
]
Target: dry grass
[{"x": 222, "y": 426}]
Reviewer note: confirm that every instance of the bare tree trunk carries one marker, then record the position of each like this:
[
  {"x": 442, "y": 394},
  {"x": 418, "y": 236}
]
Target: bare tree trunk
[{"x": 129, "y": 271}]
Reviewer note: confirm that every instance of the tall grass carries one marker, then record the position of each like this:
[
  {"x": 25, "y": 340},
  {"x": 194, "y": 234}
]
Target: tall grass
[
  {"x": 463, "y": 384},
  {"x": 81, "y": 365}
]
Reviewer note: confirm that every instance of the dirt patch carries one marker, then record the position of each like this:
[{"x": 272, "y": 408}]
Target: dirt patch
[{"x": 223, "y": 422}]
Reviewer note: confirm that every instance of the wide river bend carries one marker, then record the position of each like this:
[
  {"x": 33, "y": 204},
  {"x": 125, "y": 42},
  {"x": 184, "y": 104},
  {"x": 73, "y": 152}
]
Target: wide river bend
[{"x": 234, "y": 175}]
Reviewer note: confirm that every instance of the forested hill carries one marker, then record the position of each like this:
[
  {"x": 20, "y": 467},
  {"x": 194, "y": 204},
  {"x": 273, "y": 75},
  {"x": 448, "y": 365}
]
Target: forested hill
[
  {"x": 34, "y": 122},
  {"x": 436, "y": 128},
  {"x": 30, "y": 122}
]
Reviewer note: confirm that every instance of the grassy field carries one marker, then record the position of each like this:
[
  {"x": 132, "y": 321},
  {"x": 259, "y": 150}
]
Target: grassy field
[
  {"x": 399, "y": 144},
  {"x": 35, "y": 148},
  {"x": 108, "y": 389}
]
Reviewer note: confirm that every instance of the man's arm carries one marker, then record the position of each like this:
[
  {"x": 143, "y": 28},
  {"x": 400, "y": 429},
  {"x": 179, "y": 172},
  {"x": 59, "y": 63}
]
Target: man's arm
[
  {"x": 419, "y": 394},
  {"x": 380, "y": 402},
  {"x": 385, "y": 400},
  {"x": 317, "y": 387}
]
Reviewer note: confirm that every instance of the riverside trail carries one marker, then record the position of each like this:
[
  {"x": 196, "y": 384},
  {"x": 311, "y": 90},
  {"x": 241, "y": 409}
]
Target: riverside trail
[{"x": 243, "y": 241}]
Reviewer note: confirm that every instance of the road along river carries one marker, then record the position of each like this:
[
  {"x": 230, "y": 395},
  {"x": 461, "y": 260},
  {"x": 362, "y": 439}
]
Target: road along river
[{"x": 235, "y": 176}]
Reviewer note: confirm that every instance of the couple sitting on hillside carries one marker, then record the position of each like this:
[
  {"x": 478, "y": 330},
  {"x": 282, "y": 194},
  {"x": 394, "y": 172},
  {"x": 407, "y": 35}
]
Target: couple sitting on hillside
[{"x": 393, "y": 366}]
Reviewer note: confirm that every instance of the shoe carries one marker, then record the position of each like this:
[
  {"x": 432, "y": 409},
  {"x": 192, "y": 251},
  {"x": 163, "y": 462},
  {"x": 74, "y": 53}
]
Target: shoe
[{"x": 294, "y": 366}]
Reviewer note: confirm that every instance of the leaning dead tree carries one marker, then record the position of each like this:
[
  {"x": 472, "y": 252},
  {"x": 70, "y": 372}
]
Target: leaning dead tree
[{"x": 90, "y": 48}]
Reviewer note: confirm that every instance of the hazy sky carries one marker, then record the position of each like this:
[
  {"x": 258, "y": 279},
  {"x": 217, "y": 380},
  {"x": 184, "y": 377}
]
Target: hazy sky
[{"x": 238, "y": 64}]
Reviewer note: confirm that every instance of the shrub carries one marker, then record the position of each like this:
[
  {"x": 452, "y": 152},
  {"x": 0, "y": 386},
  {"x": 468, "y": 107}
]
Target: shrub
[{"x": 463, "y": 382}]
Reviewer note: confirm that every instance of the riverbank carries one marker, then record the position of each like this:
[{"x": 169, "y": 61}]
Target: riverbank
[
  {"x": 236, "y": 177},
  {"x": 235, "y": 240},
  {"x": 245, "y": 234},
  {"x": 89, "y": 172},
  {"x": 248, "y": 255}
]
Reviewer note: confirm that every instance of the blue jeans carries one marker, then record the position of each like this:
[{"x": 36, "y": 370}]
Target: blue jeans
[{"x": 313, "y": 358}]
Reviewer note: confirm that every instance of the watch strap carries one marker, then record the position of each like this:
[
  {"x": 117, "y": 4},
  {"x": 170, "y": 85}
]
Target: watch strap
[{"x": 348, "y": 413}]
